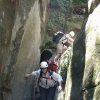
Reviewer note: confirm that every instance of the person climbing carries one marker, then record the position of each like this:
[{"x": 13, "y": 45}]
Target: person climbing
[
  {"x": 48, "y": 81},
  {"x": 63, "y": 41}
]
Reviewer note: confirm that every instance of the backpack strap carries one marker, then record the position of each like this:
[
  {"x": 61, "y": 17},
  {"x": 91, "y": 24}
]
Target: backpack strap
[
  {"x": 50, "y": 75},
  {"x": 47, "y": 78}
]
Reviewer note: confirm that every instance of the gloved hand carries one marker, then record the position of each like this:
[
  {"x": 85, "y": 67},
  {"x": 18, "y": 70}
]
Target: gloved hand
[{"x": 59, "y": 88}]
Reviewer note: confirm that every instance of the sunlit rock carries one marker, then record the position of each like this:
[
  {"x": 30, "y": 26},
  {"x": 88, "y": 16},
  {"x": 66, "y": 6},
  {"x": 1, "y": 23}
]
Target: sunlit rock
[
  {"x": 21, "y": 35},
  {"x": 91, "y": 78}
]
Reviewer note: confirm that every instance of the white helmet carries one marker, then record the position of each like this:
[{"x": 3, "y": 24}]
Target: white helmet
[{"x": 43, "y": 64}]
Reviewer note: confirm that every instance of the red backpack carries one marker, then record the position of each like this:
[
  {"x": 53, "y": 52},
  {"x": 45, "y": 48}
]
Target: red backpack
[{"x": 53, "y": 67}]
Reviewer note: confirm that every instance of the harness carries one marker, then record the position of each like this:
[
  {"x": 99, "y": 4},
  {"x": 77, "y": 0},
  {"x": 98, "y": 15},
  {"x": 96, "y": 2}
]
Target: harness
[{"x": 50, "y": 77}]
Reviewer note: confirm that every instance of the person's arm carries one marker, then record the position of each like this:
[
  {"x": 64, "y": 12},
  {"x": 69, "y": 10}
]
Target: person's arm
[
  {"x": 28, "y": 75},
  {"x": 70, "y": 39},
  {"x": 57, "y": 57},
  {"x": 34, "y": 73},
  {"x": 59, "y": 79}
]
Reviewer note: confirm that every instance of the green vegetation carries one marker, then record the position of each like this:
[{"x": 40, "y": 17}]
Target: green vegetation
[
  {"x": 60, "y": 14},
  {"x": 61, "y": 18},
  {"x": 56, "y": 21},
  {"x": 79, "y": 1}
]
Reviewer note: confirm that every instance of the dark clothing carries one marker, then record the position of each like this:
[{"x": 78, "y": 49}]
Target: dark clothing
[{"x": 47, "y": 94}]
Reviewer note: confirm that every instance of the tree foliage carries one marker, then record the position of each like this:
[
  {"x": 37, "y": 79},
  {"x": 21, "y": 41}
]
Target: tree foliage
[
  {"x": 60, "y": 12},
  {"x": 79, "y": 1},
  {"x": 59, "y": 9}
]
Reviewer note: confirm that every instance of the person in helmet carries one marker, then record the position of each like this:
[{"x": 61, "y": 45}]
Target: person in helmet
[{"x": 48, "y": 81}]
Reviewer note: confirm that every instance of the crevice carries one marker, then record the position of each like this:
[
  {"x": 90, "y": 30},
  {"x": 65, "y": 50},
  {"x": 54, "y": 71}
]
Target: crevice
[{"x": 91, "y": 86}]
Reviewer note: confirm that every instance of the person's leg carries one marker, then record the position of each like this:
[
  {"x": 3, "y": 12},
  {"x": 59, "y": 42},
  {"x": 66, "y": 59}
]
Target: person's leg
[
  {"x": 43, "y": 93},
  {"x": 51, "y": 93}
]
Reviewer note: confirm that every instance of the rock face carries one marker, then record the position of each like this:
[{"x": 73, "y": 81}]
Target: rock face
[
  {"x": 64, "y": 64},
  {"x": 21, "y": 25},
  {"x": 83, "y": 74},
  {"x": 91, "y": 79}
]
